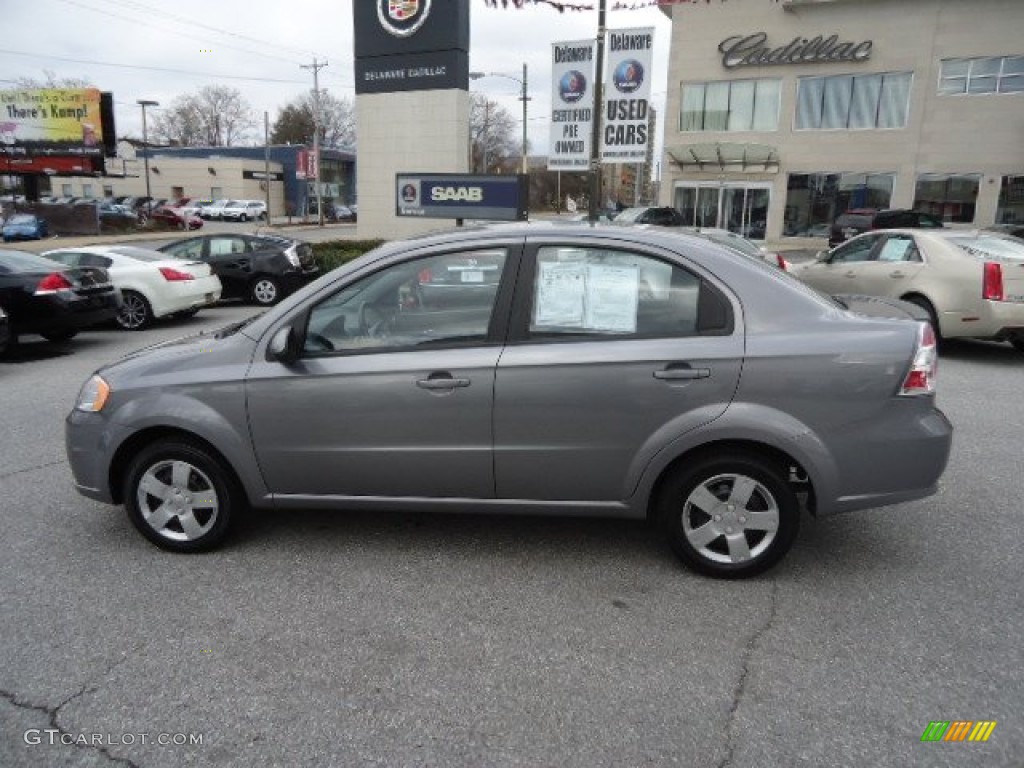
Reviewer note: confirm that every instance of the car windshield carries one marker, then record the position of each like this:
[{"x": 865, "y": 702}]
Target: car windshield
[
  {"x": 22, "y": 218},
  {"x": 990, "y": 246},
  {"x": 139, "y": 254}
]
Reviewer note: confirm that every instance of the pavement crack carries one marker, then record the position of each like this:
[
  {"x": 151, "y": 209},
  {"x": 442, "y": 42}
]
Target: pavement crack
[
  {"x": 53, "y": 714},
  {"x": 741, "y": 684},
  {"x": 14, "y": 472}
]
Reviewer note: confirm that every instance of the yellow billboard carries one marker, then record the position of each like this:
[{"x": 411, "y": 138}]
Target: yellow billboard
[{"x": 53, "y": 121}]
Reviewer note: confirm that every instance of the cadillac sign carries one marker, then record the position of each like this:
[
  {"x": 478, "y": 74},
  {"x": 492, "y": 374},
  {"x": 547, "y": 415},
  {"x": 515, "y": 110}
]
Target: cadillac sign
[
  {"x": 402, "y": 18},
  {"x": 754, "y": 51}
]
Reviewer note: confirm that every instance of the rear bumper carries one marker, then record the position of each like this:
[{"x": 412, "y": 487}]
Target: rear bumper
[
  {"x": 293, "y": 280},
  {"x": 53, "y": 313},
  {"x": 188, "y": 294}
]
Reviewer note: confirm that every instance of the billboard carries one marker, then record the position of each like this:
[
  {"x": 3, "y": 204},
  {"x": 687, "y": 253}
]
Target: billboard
[
  {"x": 52, "y": 121},
  {"x": 627, "y": 95},
  {"x": 572, "y": 99},
  {"x": 461, "y": 196}
]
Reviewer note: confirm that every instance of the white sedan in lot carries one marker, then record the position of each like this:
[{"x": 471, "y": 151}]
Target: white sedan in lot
[{"x": 152, "y": 284}]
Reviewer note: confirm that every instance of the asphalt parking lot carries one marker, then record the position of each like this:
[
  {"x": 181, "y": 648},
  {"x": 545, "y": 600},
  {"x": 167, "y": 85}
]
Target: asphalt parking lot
[{"x": 417, "y": 640}]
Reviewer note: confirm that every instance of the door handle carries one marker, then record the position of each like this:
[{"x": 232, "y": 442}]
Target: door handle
[
  {"x": 850, "y": 274},
  {"x": 897, "y": 273},
  {"x": 437, "y": 381},
  {"x": 682, "y": 373}
]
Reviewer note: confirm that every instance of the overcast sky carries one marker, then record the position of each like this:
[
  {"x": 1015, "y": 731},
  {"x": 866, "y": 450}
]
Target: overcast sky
[{"x": 159, "y": 49}]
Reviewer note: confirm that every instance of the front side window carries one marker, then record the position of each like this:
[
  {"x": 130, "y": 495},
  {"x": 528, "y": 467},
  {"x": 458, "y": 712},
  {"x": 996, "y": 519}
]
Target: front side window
[
  {"x": 730, "y": 105},
  {"x": 853, "y": 102},
  {"x": 858, "y": 250},
  {"x": 592, "y": 292},
  {"x": 190, "y": 249},
  {"x": 441, "y": 300},
  {"x": 992, "y": 74}
]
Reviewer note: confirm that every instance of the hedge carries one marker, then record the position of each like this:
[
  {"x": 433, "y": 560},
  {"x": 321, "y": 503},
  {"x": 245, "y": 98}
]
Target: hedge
[{"x": 334, "y": 253}]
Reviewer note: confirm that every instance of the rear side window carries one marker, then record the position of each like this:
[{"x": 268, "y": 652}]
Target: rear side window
[{"x": 589, "y": 292}]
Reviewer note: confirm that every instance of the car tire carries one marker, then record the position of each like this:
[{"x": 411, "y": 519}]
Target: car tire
[
  {"x": 244, "y": 217},
  {"x": 729, "y": 516},
  {"x": 1018, "y": 344},
  {"x": 180, "y": 496},
  {"x": 926, "y": 305},
  {"x": 264, "y": 291},
  {"x": 59, "y": 337},
  {"x": 135, "y": 312}
]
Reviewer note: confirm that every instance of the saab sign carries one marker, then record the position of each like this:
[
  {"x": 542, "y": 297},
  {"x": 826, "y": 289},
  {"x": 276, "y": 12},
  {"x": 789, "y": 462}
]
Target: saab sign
[{"x": 461, "y": 196}]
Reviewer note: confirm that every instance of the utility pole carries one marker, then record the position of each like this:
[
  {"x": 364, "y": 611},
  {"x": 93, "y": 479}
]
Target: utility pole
[
  {"x": 145, "y": 143},
  {"x": 316, "y": 67},
  {"x": 266, "y": 161},
  {"x": 524, "y": 99},
  {"x": 595, "y": 136}
]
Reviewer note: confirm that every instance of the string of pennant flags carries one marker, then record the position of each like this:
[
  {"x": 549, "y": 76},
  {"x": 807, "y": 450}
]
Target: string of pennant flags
[{"x": 618, "y": 5}]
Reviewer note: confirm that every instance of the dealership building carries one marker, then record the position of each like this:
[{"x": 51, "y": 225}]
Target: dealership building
[{"x": 781, "y": 114}]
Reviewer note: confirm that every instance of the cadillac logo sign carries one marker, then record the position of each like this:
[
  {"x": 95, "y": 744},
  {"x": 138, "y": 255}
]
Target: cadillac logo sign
[{"x": 402, "y": 18}]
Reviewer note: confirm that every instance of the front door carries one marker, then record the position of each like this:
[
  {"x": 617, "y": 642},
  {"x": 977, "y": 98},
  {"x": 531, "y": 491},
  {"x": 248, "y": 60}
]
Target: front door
[
  {"x": 394, "y": 391},
  {"x": 739, "y": 207}
]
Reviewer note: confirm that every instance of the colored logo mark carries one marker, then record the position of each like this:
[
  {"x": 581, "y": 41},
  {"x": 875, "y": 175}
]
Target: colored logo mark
[
  {"x": 572, "y": 87},
  {"x": 958, "y": 730}
]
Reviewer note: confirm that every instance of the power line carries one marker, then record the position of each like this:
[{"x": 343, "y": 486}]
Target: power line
[{"x": 151, "y": 69}]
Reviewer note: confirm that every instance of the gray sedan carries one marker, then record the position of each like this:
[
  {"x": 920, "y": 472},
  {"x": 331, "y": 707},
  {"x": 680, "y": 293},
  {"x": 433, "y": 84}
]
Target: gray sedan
[{"x": 561, "y": 369}]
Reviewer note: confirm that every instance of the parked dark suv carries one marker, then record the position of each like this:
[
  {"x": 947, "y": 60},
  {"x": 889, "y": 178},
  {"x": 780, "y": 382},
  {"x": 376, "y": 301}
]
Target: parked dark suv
[
  {"x": 858, "y": 220},
  {"x": 661, "y": 216}
]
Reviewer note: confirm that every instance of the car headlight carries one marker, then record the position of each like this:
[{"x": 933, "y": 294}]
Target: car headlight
[{"x": 93, "y": 396}]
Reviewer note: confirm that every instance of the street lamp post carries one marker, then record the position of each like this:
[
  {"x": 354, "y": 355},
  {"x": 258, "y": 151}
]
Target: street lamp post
[
  {"x": 145, "y": 152},
  {"x": 523, "y": 97}
]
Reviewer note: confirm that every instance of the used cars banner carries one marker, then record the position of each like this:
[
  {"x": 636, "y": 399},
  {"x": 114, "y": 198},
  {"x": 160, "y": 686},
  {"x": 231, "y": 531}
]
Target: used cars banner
[
  {"x": 627, "y": 95},
  {"x": 572, "y": 105}
]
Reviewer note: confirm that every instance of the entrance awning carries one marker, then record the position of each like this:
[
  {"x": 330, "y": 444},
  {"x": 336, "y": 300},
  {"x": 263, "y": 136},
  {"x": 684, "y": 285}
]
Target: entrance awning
[{"x": 720, "y": 156}]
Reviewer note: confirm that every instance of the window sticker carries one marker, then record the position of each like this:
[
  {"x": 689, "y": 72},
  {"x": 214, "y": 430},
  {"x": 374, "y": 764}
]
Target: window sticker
[
  {"x": 610, "y": 302},
  {"x": 560, "y": 292}
]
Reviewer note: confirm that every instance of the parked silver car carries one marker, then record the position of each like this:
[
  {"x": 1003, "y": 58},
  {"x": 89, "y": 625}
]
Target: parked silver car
[
  {"x": 971, "y": 283},
  {"x": 606, "y": 371}
]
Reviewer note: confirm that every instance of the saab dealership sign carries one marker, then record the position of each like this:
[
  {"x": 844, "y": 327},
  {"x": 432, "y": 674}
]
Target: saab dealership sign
[
  {"x": 461, "y": 196},
  {"x": 411, "y": 45}
]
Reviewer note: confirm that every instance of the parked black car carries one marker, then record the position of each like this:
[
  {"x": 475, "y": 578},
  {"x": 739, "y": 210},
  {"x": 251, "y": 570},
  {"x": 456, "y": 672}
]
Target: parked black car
[
  {"x": 44, "y": 297},
  {"x": 859, "y": 220},
  {"x": 662, "y": 216},
  {"x": 1015, "y": 230},
  {"x": 261, "y": 268},
  {"x": 5, "y": 331}
]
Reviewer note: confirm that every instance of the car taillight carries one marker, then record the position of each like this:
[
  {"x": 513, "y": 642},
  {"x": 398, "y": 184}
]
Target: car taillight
[
  {"x": 920, "y": 379},
  {"x": 781, "y": 262},
  {"x": 426, "y": 276},
  {"x": 992, "y": 282},
  {"x": 52, "y": 283},
  {"x": 174, "y": 275}
]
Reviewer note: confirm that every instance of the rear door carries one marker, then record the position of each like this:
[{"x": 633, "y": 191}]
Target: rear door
[
  {"x": 231, "y": 258},
  {"x": 612, "y": 352}
]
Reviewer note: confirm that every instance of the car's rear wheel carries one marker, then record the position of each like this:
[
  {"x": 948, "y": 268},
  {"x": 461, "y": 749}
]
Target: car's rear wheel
[
  {"x": 135, "y": 312},
  {"x": 926, "y": 305},
  {"x": 264, "y": 291},
  {"x": 244, "y": 217},
  {"x": 66, "y": 334},
  {"x": 1018, "y": 343},
  {"x": 729, "y": 516},
  {"x": 180, "y": 496}
]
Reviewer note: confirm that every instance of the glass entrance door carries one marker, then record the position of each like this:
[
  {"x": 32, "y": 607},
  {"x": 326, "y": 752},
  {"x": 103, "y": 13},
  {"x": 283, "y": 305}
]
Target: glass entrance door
[{"x": 740, "y": 208}]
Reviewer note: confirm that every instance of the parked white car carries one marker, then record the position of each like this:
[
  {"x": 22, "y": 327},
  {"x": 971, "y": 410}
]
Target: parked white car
[
  {"x": 971, "y": 283},
  {"x": 244, "y": 210},
  {"x": 215, "y": 209},
  {"x": 152, "y": 284}
]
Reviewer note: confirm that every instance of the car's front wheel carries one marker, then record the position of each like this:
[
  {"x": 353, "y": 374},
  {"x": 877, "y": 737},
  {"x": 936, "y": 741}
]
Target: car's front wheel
[
  {"x": 135, "y": 313},
  {"x": 729, "y": 516},
  {"x": 180, "y": 496},
  {"x": 1018, "y": 343},
  {"x": 264, "y": 291}
]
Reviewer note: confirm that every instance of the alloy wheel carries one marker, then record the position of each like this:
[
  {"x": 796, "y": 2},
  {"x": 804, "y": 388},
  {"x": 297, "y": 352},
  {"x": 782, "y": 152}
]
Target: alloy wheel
[
  {"x": 730, "y": 518},
  {"x": 134, "y": 312},
  {"x": 177, "y": 500}
]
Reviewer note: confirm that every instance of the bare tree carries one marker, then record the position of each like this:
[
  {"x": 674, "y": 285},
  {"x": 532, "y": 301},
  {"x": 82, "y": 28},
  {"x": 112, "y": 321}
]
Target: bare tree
[
  {"x": 50, "y": 80},
  {"x": 294, "y": 123},
  {"x": 215, "y": 116},
  {"x": 492, "y": 131}
]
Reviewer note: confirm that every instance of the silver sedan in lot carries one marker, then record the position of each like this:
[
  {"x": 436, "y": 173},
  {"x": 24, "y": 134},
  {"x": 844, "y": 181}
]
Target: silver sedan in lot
[
  {"x": 971, "y": 283},
  {"x": 564, "y": 369}
]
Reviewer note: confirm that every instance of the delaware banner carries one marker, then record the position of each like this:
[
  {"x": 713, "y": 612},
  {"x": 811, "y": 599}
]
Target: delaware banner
[
  {"x": 51, "y": 122},
  {"x": 627, "y": 95},
  {"x": 572, "y": 105}
]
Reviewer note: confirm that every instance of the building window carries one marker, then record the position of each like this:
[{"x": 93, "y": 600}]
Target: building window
[
  {"x": 1011, "y": 201},
  {"x": 995, "y": 74},
  {"x": 65, "y": 190},
  {"x": 814, "y": 200},
  {"x": 853, "y": 102},
  {"x": 108, "y": 190},
  {"x": 730, "y": 105},
  {"x": 947, "y": 196},
  {"x": 87, "y": 191}
]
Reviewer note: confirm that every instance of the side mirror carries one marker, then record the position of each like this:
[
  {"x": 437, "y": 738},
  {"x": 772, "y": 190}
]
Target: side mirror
[{"x": 286, "y": 344}]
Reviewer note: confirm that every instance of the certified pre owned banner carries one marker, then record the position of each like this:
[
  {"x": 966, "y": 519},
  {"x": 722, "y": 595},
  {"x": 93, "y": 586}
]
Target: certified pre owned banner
[
  {"x": 627, "y": 95},
  {"x": 572, "y": 105}
]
